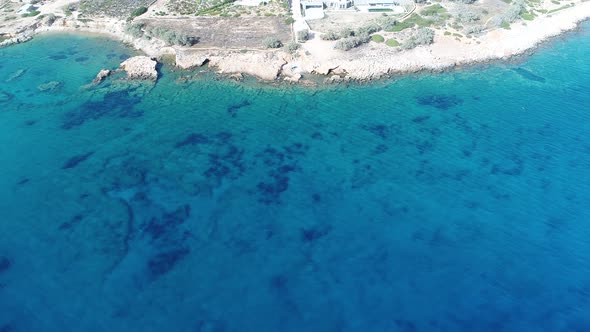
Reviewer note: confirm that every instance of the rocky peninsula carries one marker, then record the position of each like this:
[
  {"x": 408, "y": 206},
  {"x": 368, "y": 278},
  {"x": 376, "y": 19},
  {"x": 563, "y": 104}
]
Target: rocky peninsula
[{"x": 344, "y": 45}]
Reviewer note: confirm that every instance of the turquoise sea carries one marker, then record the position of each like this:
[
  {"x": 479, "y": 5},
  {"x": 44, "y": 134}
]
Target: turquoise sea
[{"x": 446, "y": 202}]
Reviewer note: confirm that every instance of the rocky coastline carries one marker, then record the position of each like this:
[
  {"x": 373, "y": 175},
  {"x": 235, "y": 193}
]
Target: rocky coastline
[{"x": 359, "y": 65}]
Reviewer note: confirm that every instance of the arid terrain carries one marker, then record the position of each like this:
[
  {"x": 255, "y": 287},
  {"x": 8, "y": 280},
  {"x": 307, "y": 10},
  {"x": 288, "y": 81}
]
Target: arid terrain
[{"x": 226, "y": 33}]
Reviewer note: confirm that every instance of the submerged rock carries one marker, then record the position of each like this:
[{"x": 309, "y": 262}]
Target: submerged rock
[
  {"x": 140, "y": 67},
  {"x": 5, "y": 264},
  {"x": 294, "y": 78},
  {"x": 101, "y": 76},
  {"x": 16, "y": 75},
  {"x": 49, "y": 86},
  {"x": 5, "y": 97},
  {"x": 237, "y": 77}
]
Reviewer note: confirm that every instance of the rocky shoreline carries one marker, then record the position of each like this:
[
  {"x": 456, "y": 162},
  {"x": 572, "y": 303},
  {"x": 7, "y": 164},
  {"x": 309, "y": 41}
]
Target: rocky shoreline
[{"x": 360, "y": 65}]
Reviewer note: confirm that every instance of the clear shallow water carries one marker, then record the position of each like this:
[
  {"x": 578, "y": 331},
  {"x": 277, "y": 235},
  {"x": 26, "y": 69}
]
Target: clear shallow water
[{"x": 453, "y": 202}]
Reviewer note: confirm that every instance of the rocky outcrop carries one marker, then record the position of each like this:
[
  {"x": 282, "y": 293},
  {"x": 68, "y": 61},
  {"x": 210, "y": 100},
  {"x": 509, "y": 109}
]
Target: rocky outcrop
[
  {"x": 236, "y": 77},
  {"x": 294, "y": 78},
  {"x": 324, "y": 68},
  {"x": 140, "y": 67},
  {"x": 16, "y": 40},
  {"x": 264, "y": 65},
  {"x": 101, "y": 76},
  {"x": 187, "y": 59}
]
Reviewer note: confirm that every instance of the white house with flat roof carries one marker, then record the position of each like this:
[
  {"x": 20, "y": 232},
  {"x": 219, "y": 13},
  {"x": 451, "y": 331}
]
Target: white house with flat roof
[
  {"x": 338, "y": 4},
  {"x": 312, "y": 9},
  {"x": 394, "y": 6}
]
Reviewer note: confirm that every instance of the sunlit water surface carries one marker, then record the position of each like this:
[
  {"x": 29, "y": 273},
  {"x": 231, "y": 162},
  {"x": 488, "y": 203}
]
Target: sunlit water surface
[{"x": 447, "y": 202}]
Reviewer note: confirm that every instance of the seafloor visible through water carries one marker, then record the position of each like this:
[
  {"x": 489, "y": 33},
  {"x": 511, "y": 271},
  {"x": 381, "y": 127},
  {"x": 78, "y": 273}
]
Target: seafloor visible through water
[{"x": 448, "y": 202}]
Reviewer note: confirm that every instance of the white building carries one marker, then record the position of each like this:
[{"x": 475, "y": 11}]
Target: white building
[
  {"x": 312, "y": 9},
  {"x": 338, "y": 4},
  {"x": 394, "y": 6}
]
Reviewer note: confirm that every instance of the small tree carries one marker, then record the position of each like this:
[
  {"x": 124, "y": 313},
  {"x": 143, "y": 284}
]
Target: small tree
[
  {"x": 422, "y": 36},
  {"x": 135, "y": 30},
  {"x": 387, "y": 23},
  {"x": 368, "y": 29},
  {"x": 292, "y": 47},
  {"x": 346, "y": 32},
  {"x": 351, "y": 42},
  {"x": 272, "y": 42},
  {"x": 302, "y": 35},
  {"x": 331, "y": 35},
  {"x": 139, "y": 11}
]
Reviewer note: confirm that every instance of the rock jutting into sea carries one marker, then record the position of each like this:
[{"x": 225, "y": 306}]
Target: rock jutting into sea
[
  {"x": 101, "y": 76},
  {"x": 140, "y": 67}
]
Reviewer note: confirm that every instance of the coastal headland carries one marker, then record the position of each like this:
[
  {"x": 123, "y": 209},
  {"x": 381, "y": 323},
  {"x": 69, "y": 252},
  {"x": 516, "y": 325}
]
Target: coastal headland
[{"x": 286, "y": 41}]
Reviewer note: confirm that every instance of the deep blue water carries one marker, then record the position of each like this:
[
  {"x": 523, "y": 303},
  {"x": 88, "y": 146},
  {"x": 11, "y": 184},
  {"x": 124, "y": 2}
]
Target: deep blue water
[{"x": 448, "y": 202}]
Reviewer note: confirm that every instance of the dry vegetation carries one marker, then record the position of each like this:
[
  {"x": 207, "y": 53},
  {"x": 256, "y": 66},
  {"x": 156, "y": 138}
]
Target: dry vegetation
[
  {"x": 113, "y": 8},
  {"x": 224, "y": 8},
  {"x": 222, "y": 32},
  {"x": 463, "y": 20}
]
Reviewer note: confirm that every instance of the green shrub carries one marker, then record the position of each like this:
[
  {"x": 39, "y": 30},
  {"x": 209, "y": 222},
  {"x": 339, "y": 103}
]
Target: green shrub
[
  {"x": 527, "y": 16},
  {"x": 377, "y": 38},
  {"x": 292, "y": 47},
  {"x": 474, "y": 29},
  {"x": 302, "y": 35},
  {"x": 31, "y": 14},
  {"x": 330, "y": 35},
  {"x": 346, "y": 32},
  {"x": 139, "y": 11},
  {"x": 433, "y": 10},
  {"x": 410, "y": 22},
  {"x": 170, "y": 37},
  {"x": 289, "y": 20},
  {"x": 367, "y": 29},
  {"x": 351, "y": 42},
  {"x": 468, "y": 16},
  {"x": 510, "y": 15},
  {"x": 135, "y": 30},
  {"x": 272, "y": 42},
  {"x": 401, "y": 26},
  {"x": 387, "y": 23},
  {"x": 422, "y": 36},
  {"x": 392, "y": 43}
]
